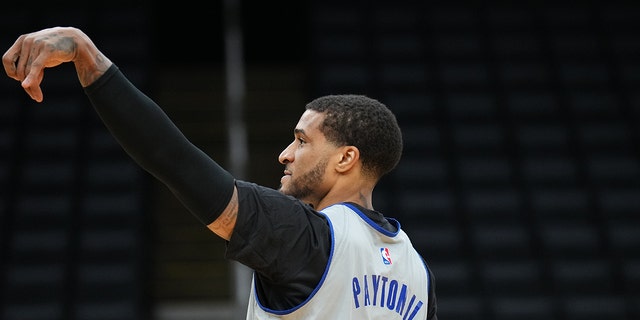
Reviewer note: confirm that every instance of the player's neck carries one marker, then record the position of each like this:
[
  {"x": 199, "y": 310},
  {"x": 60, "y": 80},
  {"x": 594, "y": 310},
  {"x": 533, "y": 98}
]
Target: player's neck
[{"x": 359, "y": 195}]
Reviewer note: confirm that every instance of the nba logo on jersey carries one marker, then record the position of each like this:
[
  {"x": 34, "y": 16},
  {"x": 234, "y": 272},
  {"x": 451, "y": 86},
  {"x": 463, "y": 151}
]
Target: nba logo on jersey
[{"x": 386, "y": 256}]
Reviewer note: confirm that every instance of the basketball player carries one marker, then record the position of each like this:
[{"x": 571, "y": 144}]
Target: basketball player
[{"x": 317, "y": 247}]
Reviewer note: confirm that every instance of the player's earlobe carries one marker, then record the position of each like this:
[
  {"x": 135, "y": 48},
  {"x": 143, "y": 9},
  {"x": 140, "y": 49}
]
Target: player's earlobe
[{"x": 348, "y": 158}]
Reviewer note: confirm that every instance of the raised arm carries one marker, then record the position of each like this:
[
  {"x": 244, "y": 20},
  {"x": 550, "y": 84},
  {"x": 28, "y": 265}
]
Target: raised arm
[{"x": 140, "y": 126}]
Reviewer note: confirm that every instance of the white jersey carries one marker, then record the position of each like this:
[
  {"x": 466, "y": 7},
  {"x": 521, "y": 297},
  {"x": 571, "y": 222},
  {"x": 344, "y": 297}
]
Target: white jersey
[{"x": 371, "y": 274}]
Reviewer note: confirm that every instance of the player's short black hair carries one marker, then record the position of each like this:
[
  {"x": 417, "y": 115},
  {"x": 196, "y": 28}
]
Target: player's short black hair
[{"x": 365, "y": 123}]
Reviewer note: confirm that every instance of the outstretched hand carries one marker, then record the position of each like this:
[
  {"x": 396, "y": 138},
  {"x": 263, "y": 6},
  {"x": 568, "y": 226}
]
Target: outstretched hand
[
  {"x": 27, "y": 58},
  {"x": 31, "y": 53}
]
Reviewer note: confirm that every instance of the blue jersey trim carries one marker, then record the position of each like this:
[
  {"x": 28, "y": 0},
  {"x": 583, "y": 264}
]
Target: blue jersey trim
[
  {"x": 373, "y": 224},
  {"x": 320, "y": 283}
]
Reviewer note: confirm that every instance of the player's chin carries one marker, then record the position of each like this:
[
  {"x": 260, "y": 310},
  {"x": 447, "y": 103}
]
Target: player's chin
[
  {"x": 283, "y": 184},
  {"x": 283, "y": 189},
  {"x": 286, "y": 189}
]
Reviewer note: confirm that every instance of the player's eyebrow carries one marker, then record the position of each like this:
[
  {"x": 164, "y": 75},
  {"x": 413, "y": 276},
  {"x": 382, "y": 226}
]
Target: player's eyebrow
[{"x": 298, "y": 131}]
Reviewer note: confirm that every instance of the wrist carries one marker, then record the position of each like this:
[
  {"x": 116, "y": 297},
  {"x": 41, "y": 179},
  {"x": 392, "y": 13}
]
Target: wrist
[{"x": 89, "y": 62}]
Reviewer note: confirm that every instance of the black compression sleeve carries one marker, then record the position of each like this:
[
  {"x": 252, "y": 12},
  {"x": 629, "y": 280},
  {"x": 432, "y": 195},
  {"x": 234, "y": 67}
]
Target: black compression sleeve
[{"x": 151, "y": 139}]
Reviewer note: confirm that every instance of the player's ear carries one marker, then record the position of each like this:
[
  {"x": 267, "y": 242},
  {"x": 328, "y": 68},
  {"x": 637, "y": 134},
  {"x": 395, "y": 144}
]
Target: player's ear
[{"x": 349, "y": 156}]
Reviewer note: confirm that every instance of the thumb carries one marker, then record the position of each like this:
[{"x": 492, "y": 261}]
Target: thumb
[{"x": 31, "y": 85}]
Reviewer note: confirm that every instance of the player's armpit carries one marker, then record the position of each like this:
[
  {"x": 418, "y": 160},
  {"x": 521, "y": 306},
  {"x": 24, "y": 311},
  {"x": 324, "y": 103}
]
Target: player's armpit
[{"x": 226, "y": 221}]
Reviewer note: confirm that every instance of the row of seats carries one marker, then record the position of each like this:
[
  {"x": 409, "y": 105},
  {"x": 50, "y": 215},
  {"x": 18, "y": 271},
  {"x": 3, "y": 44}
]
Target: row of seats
[
  {"x": 72, "y": 239},
  {"x": 519, "y": 182},
  {"x": 520, "y": 179}
]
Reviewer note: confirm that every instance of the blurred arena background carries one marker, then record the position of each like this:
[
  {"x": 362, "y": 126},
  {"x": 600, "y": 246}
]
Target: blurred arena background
[{"x": 520, "y": 181}]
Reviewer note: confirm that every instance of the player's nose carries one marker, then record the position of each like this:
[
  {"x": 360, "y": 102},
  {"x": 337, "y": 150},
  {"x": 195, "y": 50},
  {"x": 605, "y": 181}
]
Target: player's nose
[{"x": 286, "y": 156}]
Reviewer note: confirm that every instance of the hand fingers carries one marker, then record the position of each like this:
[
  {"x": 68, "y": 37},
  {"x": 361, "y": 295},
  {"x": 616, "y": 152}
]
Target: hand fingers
[
  {"x": 11, "y": 57},
  {"x": 29, "y": 68},
  {"x": 26, "y": 64},
  {"x": 23, "y": 61}
]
